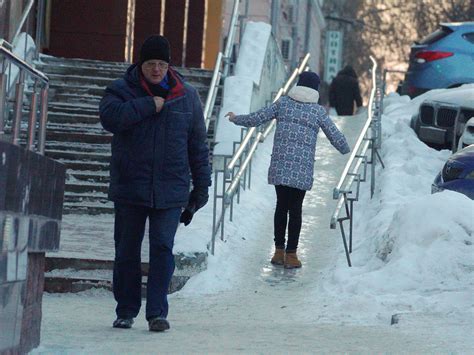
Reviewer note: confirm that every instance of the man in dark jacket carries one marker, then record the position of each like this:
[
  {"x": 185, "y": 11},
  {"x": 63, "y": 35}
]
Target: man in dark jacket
[
  {"x": 159, "y": 141},
  {"x": 344, "y": 90}
]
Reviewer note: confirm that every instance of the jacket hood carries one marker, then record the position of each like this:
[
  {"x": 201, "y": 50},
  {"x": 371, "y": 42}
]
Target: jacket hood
[
  {"x": 132, "y": 75},
  {"x": 304, "y": 94},
  {"x": 349, "y": 71}
]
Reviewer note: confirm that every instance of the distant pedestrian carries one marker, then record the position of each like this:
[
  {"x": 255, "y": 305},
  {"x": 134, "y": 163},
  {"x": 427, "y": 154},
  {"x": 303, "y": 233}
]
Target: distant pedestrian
[
  {"x": 298, "y": 119},
  {"x": 344, "y": 91},
  {"x": 159, "y": 140}
]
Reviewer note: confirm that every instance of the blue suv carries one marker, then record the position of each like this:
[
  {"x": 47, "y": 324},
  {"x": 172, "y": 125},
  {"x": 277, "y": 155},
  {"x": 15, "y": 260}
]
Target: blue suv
[
  {"x": 443, "y": 59},
  {"x": 457, "y": 174}
]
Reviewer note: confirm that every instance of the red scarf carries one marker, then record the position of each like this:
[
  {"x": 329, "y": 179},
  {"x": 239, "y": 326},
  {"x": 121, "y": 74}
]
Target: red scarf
[{"x": 176, "y": 91}]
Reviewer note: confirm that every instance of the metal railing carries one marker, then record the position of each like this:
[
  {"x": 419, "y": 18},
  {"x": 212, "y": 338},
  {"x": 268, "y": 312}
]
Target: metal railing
[
  {"x": 366, "y": 151},
  {"x": 222, "y": 66},
  {"x": 236, "y": 171},
  {"x": 39, "y": 97}
]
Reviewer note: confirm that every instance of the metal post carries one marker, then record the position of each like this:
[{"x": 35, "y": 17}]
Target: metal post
[
  {"x": 40, "y": 14},
  {"x": 3, "y": 99},
  {"x": 16, "y": 126},
  {"x": 223, "y": 205},
  {"x": 214, "y": 213},
  {"x": 351, "y": 220},
  {"x": 345, "y": 243},
  {"x": 32, "y": 120},
  {"x": 43, "y": 119}
]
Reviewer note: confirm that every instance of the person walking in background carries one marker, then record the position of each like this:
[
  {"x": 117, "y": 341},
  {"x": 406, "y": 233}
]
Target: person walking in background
[
  {"x": 159, "y": 138},
  {"x": 344, "y": 91},
  {"x": 298, "y": 119}
]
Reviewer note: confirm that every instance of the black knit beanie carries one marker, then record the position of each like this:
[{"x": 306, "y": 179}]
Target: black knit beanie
[
  {"x": 155, "y": 47},
  {"x": 309, "y": 79}
]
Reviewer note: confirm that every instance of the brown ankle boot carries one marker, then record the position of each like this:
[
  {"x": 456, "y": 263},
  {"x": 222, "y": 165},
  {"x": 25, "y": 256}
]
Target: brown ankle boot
[
  {"x": 291, "y": 260},
  {"x": 278, "y": 257}
]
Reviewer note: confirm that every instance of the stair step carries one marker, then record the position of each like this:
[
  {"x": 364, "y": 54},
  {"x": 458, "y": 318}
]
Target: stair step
[
  {"x": 78, "y": 155},
  {"x": 90, "y": 208},
  {"x": 78, "y": 127},
  {"x": 77, "y": 99},
  {"x": 78, "y": 137},
  {"x": 64, "y": 117},
  {"x": 84, "y": 165},
  {"x": 102, "y": 177},
  {"x": 99, "y": 198},
  {"x": 78, "y": 146},
  {"x": 64, "y": 107},
  {"x": 85, "y": 187},
  {"x": 59, "y": 284},
  {"x": 75, "y": 275}
]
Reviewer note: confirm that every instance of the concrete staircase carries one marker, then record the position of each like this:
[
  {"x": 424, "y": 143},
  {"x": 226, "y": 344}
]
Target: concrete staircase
[{"x": 75, "y": 136}]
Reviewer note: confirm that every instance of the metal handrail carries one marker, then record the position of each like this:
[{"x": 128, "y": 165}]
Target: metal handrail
[
  {"x": 39, "y": 78},
  {"x": 343, "y": 192},
  {"x": 337, "y": 189},
  {"x": 20, "y": 63},
  {"x": 222, "y": 58},
  {"x": 25, "y": 15}
]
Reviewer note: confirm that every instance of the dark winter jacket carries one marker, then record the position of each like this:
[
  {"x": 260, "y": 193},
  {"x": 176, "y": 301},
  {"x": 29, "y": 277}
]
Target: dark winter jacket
[
  {"x": 343, "y": 91},
  {"x": 298, "y": 119},
  {"x": 154, "y": 153}
]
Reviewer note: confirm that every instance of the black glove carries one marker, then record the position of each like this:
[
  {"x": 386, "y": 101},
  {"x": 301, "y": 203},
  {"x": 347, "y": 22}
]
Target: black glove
[
  {"x": 197, "y": 199},
  {"x": 187, "y": 214}
]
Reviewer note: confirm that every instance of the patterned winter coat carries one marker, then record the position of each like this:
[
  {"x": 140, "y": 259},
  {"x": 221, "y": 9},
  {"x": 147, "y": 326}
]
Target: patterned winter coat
[{"x": 298, "y": 119}]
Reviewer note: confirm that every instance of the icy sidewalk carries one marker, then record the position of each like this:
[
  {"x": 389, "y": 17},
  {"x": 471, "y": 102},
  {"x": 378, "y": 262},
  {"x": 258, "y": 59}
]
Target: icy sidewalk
[{"x": 244, "y": 304}]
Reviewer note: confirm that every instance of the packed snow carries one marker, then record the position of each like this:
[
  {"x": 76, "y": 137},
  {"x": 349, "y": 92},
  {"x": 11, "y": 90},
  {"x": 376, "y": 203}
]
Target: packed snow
[{"x": 413, "y": 265}]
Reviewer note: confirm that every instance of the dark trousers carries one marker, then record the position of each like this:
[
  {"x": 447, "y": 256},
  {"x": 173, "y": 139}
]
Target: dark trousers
[
  {"x": 289, "y": 202},
  {"x": 128, "y": 234}
]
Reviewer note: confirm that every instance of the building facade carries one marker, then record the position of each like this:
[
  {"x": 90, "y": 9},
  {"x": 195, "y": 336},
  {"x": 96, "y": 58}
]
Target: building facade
[{"x": 297, "y": 25}]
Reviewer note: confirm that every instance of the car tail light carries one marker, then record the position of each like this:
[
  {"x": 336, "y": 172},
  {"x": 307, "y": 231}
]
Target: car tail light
[{"x": 429, "y": 56}]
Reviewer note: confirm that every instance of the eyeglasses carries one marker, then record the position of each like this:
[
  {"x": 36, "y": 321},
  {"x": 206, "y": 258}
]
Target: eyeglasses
[{"x": 151, "y": 64}]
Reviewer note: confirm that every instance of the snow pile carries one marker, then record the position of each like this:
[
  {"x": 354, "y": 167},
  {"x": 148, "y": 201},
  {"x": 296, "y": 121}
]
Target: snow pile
[{"x": 413, "y": 250}]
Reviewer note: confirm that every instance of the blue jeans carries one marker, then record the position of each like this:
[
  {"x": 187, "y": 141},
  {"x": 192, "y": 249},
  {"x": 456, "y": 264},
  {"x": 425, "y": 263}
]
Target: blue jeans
[{"x": 128, "y": 234}]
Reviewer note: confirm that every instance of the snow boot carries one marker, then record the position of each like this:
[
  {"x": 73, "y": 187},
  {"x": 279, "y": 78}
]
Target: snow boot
[
  {"x": 158, "y": 324},
  {"x": 124, "y": 323},
  {"x": 278, "y": 257},
  {"x": 291, "y": 260}
]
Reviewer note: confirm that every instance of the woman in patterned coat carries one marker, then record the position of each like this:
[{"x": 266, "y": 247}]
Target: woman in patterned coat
[{"x": 298, "y": 119}]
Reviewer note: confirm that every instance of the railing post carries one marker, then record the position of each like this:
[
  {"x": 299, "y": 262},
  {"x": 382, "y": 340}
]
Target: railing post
[
  {"x": 43, "y": 119},
  {"x": 3, "y": 99},
  {"x": 16, "y": 126},
  {"x": 32, "y": 120}
]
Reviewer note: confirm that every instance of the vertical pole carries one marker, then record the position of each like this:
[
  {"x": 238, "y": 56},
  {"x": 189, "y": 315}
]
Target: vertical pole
[
  {"x": 214, "y": 212},
  {"x": 43, "y": 119},
  {"x": 40, "y": 14},
  {"x": 32, "y": 120},
  {"x": 16, "y": 126},
  {"x": 3, "y": 99},
  {"x": 223, "y": 204},
  {"x": 345, "y": 243},
  {"x": 351, "y": 220}
]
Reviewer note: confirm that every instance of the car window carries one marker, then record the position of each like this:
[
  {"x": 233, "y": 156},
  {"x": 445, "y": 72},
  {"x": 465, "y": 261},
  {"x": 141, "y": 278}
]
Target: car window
[
  {"x": 436, "y": 35},
  {"x": 469, "y": 37}
]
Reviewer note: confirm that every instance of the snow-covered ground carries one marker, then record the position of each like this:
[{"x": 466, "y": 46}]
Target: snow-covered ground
[{"x": 413, "y": 256}]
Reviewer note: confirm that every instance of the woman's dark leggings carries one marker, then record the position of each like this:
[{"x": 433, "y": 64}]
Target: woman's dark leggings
[{"x": 289, "y": 201}]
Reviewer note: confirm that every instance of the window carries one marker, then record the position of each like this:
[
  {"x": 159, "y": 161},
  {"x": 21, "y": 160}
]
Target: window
[
  {"x": 291, "y": 14},
  {"x": 286, "y": 48},
  {"x": 436, "y": 35},
  {"x": 469, "y": 37}
]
